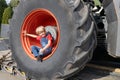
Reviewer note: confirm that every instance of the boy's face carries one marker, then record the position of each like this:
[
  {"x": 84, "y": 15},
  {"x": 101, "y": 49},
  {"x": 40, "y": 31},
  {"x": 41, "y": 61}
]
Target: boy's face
[{"x": 42, "y": 33}]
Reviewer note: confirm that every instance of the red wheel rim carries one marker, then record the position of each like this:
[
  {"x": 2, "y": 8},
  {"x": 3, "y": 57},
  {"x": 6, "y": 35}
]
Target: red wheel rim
[{"x": 34, "y": 19}]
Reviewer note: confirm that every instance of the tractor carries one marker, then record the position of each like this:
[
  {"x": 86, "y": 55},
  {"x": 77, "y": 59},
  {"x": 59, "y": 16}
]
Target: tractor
[{"x": 76, "y": 28}]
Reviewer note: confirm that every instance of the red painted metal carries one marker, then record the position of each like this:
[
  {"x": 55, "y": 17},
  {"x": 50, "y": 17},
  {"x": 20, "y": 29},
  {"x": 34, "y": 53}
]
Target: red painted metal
[{"x": 34, "y": 19}]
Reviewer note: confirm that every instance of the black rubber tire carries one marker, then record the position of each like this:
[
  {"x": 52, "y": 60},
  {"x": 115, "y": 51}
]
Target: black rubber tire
[{"x": 77, "y": 40}]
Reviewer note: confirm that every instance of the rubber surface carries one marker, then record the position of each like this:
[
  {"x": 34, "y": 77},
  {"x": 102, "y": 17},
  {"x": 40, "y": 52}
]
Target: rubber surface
[{"x": 76, "y": 44}]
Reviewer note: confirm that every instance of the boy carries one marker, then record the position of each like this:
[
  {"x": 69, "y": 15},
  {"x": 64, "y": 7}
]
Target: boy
[{"x": 45, "y": 39}]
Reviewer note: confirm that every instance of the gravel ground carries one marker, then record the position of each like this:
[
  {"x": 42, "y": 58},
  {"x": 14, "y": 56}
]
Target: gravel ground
[
  {"x": 7, "y": 76},
  {"x": 4, "y": 49},
  {"x": 89, "y": 73}
]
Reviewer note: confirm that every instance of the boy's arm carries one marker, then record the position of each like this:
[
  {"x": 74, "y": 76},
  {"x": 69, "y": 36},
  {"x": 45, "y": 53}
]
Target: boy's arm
[{"x": 30, "y": 35}]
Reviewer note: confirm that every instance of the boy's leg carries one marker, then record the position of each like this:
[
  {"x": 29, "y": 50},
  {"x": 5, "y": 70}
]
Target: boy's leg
[
  {"x": 35, "y": 50},
  {"x": 47, "y": 51}
]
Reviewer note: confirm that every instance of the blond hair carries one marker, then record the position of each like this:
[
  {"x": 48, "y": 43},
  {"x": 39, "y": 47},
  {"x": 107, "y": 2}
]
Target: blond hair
[{"x": 40, "y": 29}]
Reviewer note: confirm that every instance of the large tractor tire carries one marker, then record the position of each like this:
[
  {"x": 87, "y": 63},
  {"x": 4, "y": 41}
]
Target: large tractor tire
[{"x": 74, "y": 45}]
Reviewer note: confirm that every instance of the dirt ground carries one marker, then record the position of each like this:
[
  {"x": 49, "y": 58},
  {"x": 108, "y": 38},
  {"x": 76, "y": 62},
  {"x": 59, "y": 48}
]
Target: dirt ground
[{"x": 7, "y": 76}]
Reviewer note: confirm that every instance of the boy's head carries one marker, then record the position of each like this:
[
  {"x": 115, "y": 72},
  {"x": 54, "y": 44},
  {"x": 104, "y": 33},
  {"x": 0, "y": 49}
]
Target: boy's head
[{"x": 41, "y": 31}]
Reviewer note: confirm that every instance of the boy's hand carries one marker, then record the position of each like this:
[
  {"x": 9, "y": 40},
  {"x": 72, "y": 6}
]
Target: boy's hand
[
  {"x": 25, "y": 33},
  {"x": 42, "y": 50}
]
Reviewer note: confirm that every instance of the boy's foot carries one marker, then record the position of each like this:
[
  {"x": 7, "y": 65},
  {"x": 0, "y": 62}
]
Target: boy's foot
[
  {"x": 41, "y": 58},
  {"x": 38, "y": 58}
]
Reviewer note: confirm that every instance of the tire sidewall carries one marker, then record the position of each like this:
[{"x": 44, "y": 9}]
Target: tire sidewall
[{"x": 65, "y": 47}]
